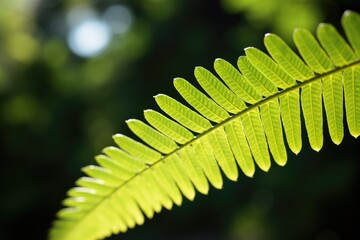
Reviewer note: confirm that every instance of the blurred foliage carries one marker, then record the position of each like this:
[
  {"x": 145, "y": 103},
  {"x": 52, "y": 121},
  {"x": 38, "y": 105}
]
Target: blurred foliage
[
  {"x": 58, "y": 110},
  {"x": 281, "y": 16}
]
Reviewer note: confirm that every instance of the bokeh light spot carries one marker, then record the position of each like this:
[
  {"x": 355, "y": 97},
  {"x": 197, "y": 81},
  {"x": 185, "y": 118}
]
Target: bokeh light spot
[
  {"x": 119, "y": 18},
  {"x": 89, "y": 38},
  {"x": 22, "y": 47}
]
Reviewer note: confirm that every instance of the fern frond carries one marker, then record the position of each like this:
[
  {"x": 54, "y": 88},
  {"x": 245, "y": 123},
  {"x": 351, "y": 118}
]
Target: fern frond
[{"x": 238, "y": 120}]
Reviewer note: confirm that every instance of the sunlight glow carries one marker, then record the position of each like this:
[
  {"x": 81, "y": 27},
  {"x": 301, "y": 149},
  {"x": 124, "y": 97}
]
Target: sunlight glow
[
  {"x": 89, "y": 38},
  {"x": 118, "y": 17}
]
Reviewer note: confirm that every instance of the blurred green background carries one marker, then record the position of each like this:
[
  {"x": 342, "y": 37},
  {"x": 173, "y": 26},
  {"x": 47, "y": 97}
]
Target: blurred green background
[{"x": 72, "y": 72}]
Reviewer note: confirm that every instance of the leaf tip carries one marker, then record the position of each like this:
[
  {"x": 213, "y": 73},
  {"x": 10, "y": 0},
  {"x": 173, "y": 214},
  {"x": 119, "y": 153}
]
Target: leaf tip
[
  {"x": 322, "y": 26},
  {"x": 281, "y": 162},
  {"x": 247, "y": 49},
  {"x": 355, "y": 134},
  {"x": 177, "y": 81},
  {"x": 198, "y": 68},
  {"x": 85, "y": 169},
  {"x": 240, "y": 58},
  {"x": 234, "y": 178},
  {"x": 98, "y": 158},
  {"x": 347, "y": 13},
  {"x": 265, "y": 166},
  {"x": 118, "y": 135},
  {"x": 316, "y": 148},
  {"x": 217, "y": 63},
  {"x": 158, "y": 95},
  {"x": 297, "y": 31},
  {"x": 129, "y": 121},
  {"x": 218, "y": 186},
  {"x": 250, "y": 174},
  {"x": 296, "y": 152},
  {"x": 107, "y": 149},
  {"x": 337, "y": 141}
]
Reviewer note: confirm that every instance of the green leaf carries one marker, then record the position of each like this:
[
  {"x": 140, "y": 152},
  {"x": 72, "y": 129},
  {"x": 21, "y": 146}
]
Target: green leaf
[
  {"x": 85, "y": 193},
  {"x": 223, "y": 153},
  {"x": 182, "y": 114},
  {"x": 236, "y": 82},
  {"x": 103, "y": 174},
  {"x": 208, "y": 163},
  {"x": 312, "y": 108},
  {"x": 140, "y": 196},
  {"x": 136, "y": 149},
  {"x": 132, "y": 208},
  {"x": 205, "y": 106},
  {"x": 240, "y": 147},
  {"x": 151, "y": 136},
  {"x": 351, "y": 22},
  {"x": 159, "y": 193},
  {"x": 73, "y": 201},
  {"x": 311, "y": 51},
  {"x": 286, "y": 58},
  {"x": 221, "y": 94},
  {"x": 270, "y": 116},
  {"x": 290, "y": 115},
  {"x": 256, "y": 138},
  {"x": 352, "y": 99},
  {"x": 94, "y": 184},
  {"x": 135, "y": 181},
  {"x": 168, "y": 127},
  {"x": 194, "y": 170},
  {"x": 180, "y": 177},
  {"x": 333, "y": 102},
  {"x": 165, "y": 181},
  {"x": 125, "y": 160},
  {"x": 112, "y": 165},
  {"x": 335, "y": 46},
  {"x": 260, "y": 82},
  {"x": 269, "y": 69}
]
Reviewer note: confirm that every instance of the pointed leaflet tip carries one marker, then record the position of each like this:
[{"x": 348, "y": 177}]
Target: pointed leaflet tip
[
  {"x": 321, "y": 25},
  {"x": 250, "y": 175},
  {"x": 107, "y": 149},
  {"x": 246, "y": 49},
  {"x": 296, "y": 152},
  {"x": 297, "y": 30},
  {"x": 131, "y": 120},
  {"x": 98, "y": 158},
  {"x": 158, "y": 95},
  {"x": 347, "y": 13},
  {"x": 197, "y": 68},
  {"x": 86, "y": 168},
  {"x": 118, "y": 135},
  {"x": 241, "y": 57},
  {"x": 178, "y": 79},
  {"x": 217, "y": 62}
]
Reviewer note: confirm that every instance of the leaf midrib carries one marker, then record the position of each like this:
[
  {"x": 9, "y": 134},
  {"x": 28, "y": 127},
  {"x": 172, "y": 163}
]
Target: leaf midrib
[{"x": 231, "y": 118}]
